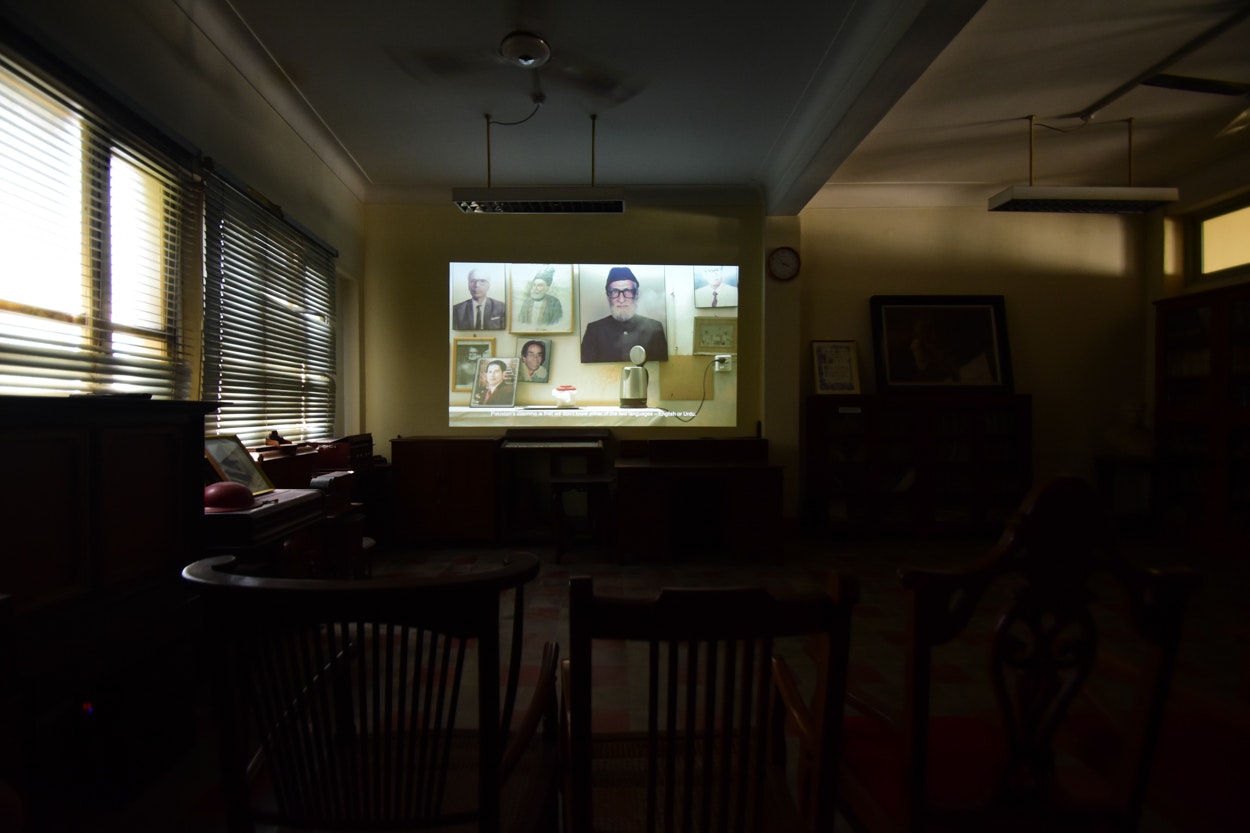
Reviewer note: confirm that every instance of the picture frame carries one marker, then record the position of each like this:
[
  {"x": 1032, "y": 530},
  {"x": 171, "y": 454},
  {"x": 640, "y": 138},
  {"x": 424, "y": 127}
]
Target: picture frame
[
  {"x": 715, "y": 334},
  {"x": 554, "y": 312},
  {"x": 465, "y": 353},
  {"x": 504, "y": 395},
  {"x": 941, "y": 342},
  {"x": 835, "y": 366},
  {"x": 232, "y": 461},
  {"x": 495, "y": 303},
  {"x": 715, "y": 287},
  {"x": 600, "y": 340},
  {"x": 542, "y": 373}
]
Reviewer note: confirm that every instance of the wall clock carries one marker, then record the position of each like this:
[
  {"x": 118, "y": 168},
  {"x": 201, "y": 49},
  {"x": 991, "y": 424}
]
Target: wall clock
[{"x": 783, "y": 263}]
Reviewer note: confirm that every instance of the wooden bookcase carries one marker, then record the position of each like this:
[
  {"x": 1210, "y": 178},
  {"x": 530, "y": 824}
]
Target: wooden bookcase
[
  {"x": 916, "y": 463},
  {"x": 1202, "y": 416}
]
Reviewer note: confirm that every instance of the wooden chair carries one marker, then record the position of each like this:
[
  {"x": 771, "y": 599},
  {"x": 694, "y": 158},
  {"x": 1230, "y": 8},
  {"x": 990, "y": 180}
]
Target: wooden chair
[
  {"x": 1034, "y": 754},
  {"x": 356, "y": 705},
  {"x": 712, "y": 756}
]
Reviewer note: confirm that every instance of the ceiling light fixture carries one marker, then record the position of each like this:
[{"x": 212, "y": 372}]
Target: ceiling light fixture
[
  {"x": 489, "y": 200},
  {"x": 1082, "y": 199}
]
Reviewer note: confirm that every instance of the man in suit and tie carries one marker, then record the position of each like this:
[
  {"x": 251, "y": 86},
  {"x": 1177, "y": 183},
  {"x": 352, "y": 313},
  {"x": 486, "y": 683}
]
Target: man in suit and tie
[
  {"x": 716, "y": 293},
  {"x": 496, "y": 389},
  {"x": 480, "y": 312}
]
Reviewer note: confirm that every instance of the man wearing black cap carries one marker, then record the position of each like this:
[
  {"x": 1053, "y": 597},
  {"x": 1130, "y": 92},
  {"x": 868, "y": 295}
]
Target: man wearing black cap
[{"x": 610, "y": 338}]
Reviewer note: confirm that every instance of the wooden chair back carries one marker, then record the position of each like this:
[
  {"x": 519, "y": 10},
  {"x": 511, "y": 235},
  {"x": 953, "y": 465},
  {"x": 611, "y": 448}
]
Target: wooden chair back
[
  {"x": 712, "y": 755},
  {"x": 367, "y": 704},
  {"x": 1020, "y": 765}
]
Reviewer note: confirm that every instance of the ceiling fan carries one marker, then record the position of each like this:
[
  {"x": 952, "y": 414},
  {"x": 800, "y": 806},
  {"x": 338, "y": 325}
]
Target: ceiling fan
[
  {"x": 526, "y": 49},
  {"x": 1210, "y": 86}
]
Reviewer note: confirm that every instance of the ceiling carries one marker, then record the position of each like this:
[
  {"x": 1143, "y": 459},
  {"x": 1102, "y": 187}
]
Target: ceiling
[{"x": 409, "y": 99}]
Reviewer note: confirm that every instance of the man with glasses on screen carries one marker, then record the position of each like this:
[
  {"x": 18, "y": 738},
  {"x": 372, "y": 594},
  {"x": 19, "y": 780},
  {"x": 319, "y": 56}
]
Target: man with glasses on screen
[
  {"x": 480, "y": 312},
  {"x": 610, "y": 338}
]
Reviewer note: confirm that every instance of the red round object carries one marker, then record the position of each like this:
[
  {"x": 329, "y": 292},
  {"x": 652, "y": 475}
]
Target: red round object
[{"x": 227, "y": 497}]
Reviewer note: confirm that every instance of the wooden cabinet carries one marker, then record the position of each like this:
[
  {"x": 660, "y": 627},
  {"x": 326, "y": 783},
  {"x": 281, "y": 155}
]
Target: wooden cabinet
[
  {"x": 443, "y": 489},
  {"x": 1202, "y": 416},
  {"x": 102, "y": 508},
  {"x": 915, "y": 463}
]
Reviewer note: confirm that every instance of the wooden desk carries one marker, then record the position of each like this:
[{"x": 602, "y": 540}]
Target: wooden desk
[
  {"x": 732, "y": 507},
  {"x": 540, "y": 466}
]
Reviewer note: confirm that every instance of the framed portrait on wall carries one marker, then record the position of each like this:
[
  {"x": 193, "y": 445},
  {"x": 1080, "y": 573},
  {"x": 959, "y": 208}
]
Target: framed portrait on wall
[
  {"x": 465, "y": 353},
  {"x": 940, "y": 342},
  {"x": 535, "y": 355},
  {"x": 836, "y": 365},
  {"x": 542, "y": 297}
]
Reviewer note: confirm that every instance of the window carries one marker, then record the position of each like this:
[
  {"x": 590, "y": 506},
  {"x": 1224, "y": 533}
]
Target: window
[
  {"x": 91, "y": 226},
  {"x": 269, "y": 341},
  {"x": 1223, "y": 242}
]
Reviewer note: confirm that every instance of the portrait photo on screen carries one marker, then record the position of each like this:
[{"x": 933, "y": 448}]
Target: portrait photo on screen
[
  {"x": 483, "y": 288},
  {"x": 535, "y": 365},
  {"x": 715, "y": 287},
  {"x": 542, "y": 297},
  {"x": 465, "y": 353},
  {"x": 495, "y": 385},
  {"x": 623, "y": 307}
]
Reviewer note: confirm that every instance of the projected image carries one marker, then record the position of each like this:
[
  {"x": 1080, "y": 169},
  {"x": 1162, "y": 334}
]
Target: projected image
[
  {"x": 542, "y": 298},
  {"x": 554, "y": 341},
  {"x": 716, "y": 287},
  {"x": 464, "y": 355},
  {"x": 534, "y": 354},
  {"x": 495, "y": 385},
  {"x": 483, "y": 308},
  {"x": 633, "y": 313}
]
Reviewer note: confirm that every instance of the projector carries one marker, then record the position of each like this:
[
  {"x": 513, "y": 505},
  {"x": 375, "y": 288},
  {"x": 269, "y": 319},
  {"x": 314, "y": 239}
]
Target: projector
[{"x": 539, "y": 200}]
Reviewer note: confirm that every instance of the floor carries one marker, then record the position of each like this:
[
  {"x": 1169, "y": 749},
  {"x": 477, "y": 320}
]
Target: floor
[{"x": 183, "y": 796}]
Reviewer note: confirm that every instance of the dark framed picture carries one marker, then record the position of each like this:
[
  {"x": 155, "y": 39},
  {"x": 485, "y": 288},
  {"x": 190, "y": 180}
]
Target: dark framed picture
[
  {"x": 940, "y": 342},
  {"x": 836, "y": 364},
  {"x": 233, "y": 462},
  {"x": 495, "y": 385},
  {"x": 465, "y": 353}
]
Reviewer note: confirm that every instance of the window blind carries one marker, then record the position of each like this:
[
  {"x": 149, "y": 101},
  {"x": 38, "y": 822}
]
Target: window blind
[
  {"x": 269, "y": 339},
  {"x": 92, "y": 230}
]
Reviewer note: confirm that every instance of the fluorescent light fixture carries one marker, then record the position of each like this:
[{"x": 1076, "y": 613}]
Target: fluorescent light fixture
[
  {"x": 1081, "y": 199},
  {"x": 539, "y": 200}
]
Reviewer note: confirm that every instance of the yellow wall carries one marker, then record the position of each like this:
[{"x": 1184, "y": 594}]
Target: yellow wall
[
  {"x": 1073, "y": 286},
  {"x": 405, "y": 300}
]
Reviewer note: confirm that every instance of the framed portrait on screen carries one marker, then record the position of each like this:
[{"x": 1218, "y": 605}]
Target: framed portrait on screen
[
  {"x": 542, "y": 297},
  {"x": 715, "y": 287},
  {"x": 484, "y": 292},
  {"x": 495, "y": 385},
  {"x": 535, "y": 355},
  {"x": 465, "y": 353}
]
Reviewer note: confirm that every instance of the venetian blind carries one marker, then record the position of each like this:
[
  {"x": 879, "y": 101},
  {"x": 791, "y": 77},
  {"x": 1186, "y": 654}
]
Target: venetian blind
[
  {"x": 92, "y": 229},
  {"x": 269, "y": 339}
]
